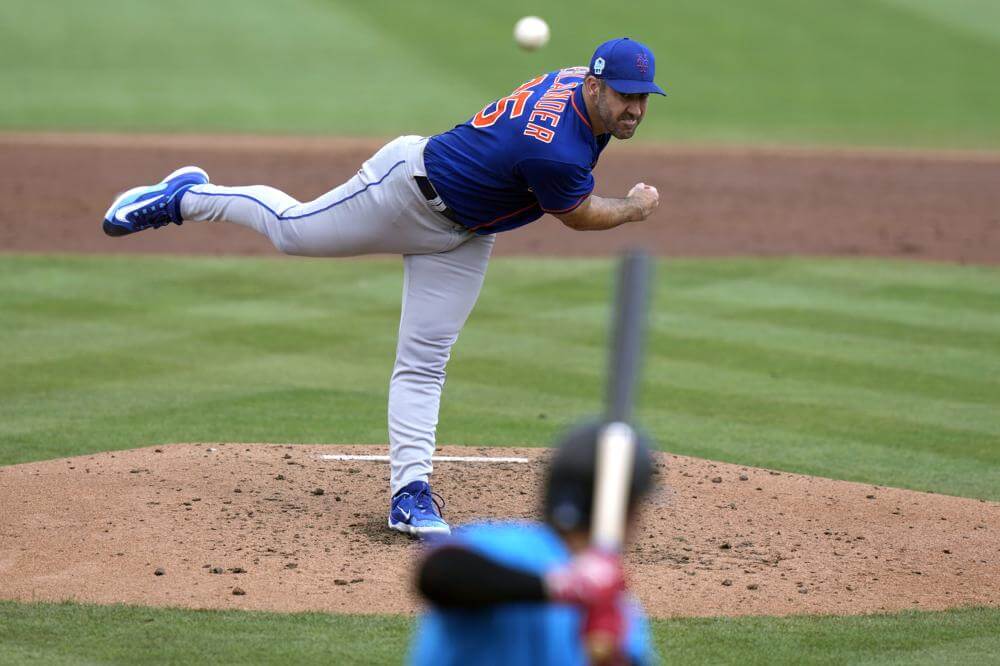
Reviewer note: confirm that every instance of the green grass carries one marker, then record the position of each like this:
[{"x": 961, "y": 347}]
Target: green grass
[
  {"x": 869, "y": 370},
  {"x": 901, "y": 72},
  {"x": 74, "y": 634},
  {"x": 85, "y": 634},
  {"x": 874, "y": 371},
  {"x": 970, "y": 636}
]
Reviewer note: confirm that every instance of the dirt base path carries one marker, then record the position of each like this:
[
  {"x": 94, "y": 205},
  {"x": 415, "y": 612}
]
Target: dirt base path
[
  {"x": 295, "y": 532},
  {"x": 54, "y": 189}
]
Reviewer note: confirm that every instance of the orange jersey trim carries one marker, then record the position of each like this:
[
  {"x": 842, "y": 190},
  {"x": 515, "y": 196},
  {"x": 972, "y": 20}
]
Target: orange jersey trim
[
  {"x": 503, "y": 217},
  {"x": 586, "y": 122}
]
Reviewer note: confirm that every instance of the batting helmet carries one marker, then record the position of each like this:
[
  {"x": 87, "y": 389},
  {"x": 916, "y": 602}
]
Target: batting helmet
[{"x": 569, "y": 488}]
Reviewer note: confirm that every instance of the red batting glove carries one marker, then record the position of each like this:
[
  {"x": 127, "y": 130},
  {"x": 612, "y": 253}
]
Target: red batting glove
[
  {"x": 604, "y": 632},
  {"x": 590, "y": 579}
]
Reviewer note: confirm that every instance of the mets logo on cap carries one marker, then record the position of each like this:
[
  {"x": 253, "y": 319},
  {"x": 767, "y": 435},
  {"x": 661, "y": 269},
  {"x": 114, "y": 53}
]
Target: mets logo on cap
[{"x": 627, "y": 66}]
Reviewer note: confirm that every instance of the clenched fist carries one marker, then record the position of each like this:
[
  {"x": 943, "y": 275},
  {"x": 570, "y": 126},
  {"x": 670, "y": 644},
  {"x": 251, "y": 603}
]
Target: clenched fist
[{"x": 646, "y": 199}]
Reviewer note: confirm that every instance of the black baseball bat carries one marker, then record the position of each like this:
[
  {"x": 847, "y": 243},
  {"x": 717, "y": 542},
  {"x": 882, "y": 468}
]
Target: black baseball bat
[{"x": 629, "y": 324}]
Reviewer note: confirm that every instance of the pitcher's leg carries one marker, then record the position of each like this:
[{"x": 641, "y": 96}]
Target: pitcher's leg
[
  {"x": 439, "y": 291},
  {"x": 257, "y": 207},
  {"x": 362, "y": 216}
]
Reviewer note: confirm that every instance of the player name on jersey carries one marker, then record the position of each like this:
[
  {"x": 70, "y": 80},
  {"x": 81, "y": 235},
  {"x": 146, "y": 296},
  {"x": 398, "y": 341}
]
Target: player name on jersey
[{"x": 550, "y": 107}]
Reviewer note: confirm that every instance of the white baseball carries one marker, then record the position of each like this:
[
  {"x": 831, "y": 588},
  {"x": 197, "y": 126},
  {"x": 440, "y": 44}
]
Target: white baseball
[{"x": 531, "y": 33}]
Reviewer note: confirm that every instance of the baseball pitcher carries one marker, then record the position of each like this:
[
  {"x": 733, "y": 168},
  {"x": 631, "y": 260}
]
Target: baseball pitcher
[{"x": 440, "y": 202}]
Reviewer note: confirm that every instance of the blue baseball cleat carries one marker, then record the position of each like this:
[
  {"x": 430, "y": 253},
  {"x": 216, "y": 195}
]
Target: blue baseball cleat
[
  {"x": 416, "y": 511},
  {"x": 152, "y": 206}
]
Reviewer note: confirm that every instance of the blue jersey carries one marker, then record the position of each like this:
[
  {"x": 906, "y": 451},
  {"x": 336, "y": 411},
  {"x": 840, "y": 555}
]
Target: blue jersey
[
  {"x": 517, "y": 633},
  {"x": 529, "y": 153}
]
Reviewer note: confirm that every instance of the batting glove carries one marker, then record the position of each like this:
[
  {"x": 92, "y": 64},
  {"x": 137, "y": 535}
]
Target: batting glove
[{"x": 595, "y": 577}]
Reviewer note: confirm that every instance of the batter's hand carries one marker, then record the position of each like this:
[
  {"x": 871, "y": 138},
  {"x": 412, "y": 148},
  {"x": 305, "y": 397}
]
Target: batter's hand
[
  {"x": 593, "y": 578},
  {"x": 646, "y": 198}
]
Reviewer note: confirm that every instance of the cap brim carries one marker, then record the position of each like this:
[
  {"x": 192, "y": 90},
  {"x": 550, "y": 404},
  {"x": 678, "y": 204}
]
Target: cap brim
[{"x": 629, "y": 87}]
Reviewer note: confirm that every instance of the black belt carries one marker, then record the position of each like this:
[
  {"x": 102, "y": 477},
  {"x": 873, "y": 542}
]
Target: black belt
[{"x": 435, "y": 199}]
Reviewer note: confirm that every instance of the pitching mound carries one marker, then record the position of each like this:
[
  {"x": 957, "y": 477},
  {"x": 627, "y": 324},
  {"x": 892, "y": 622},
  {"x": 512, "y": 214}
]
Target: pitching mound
[{"x": 280, "y": 528}]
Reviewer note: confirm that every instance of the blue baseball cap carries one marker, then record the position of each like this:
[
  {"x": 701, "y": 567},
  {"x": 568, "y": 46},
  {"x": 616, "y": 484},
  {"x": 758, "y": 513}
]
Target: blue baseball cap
[{"x": 626, "y": 65}]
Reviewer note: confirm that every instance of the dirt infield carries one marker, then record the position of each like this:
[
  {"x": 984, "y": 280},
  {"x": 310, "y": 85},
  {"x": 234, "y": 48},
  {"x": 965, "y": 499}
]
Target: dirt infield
[
  {"x": 55, "y": 188},
  {"x": 294, "y": 532}
]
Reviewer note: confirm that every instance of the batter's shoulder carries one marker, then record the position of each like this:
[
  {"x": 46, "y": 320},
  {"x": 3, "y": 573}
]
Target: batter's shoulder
[{"x": 514, "y": 541}]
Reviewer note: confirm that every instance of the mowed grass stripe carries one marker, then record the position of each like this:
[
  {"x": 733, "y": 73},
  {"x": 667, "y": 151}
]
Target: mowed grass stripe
[
  {"x": 86, "y": 634},
  {"x": 577, "y": 370},
  {"x": 716, "y": 416},
  {"x": 820, "y": 420},
  {"x": 875, "y": 272},
  {"x": 74, "y": 634},
  {"x": 279, "y": 350},
  {"x": 830, "y": 299},
  {"x": 818, "y": 403},
  {"x": 198, "y": 400},
  {"x": 875, "y": 290},
  {"x": 938, "y": 470},
  {"x": 934, "y": 354},
  {"x": 278, "y": 415},
  {"x": 947, "y": 286},
  {"x": 812, "y": 366},
  {"x": 978, "y": 17},
  {"x": 758, "y": 420},
  {"x": 862, "y": 402},
  {"x": 840, "y": 417},
  {"x": 867, "y": 329},
  {"x": 874, "y": 337},
  {"x": 930, "y": 369},
  {"x": 115, "y": 392},
  {"x": 967, "y": 636},
  {"x": 184, "y": 337}
]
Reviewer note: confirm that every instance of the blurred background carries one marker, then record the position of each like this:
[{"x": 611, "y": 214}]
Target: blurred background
[{"x": 865, "y": 72}]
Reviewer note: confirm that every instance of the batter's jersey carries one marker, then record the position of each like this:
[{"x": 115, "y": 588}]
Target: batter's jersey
[
  {"x": 529, "y": 153},
  {"x": 516, "y": 633}
]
